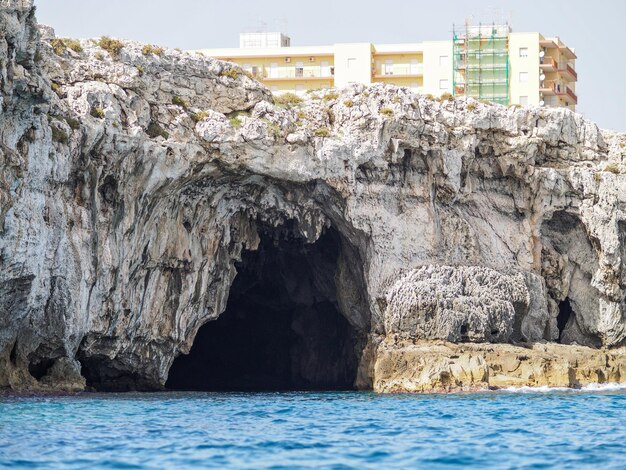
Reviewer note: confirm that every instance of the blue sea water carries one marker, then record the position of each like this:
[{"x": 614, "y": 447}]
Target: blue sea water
[{"x": 523, "y": 429}]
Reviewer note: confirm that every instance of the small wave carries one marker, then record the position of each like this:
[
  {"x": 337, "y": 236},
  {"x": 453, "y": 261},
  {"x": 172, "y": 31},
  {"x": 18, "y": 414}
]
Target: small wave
[
  {"x": 593, "y": 387},
  {"x": 541, "y": 389},
  {"x": 605, "y": 387}
]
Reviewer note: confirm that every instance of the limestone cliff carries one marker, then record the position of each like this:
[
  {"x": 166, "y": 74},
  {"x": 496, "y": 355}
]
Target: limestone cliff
[{"x": 131, "y": 183}]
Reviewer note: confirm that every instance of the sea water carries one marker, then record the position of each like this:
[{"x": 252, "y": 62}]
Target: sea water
[{"x": 510, "y": 429}]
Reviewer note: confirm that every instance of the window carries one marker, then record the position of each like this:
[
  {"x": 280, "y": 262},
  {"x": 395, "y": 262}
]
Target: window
[
  {"x": 351, "y": 63},
  {"x": 299, "y": 69},
  {"x": 443, "y": 60},
  {"x": 523, "y": 100},
  {"x": 523, "y": 77},
  {"x": 388, "y": 67},
  {"x": 523, "y": 52},
  {"x": 444, "y": 84},
  {"x": 274, "y": 70}
]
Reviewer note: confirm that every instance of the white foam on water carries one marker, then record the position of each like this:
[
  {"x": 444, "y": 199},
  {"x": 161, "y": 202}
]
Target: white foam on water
[
  {"x": 541, "y": 389},
  {"x": 610, "y": 386},
  {"x": 594, "y": 387}
]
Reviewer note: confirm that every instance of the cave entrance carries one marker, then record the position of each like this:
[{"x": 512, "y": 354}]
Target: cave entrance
[
  {"x": 562, "y": 319},
  {"x": 282, "y": 329}
]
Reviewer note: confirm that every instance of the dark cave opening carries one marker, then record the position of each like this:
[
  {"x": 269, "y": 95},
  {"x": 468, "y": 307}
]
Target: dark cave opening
[
  {"x": 565, "y": 313},
  {"x": 282, "y": 329},
  {"x": 102, "y": 375},
  {"x": 40, "y": 368}
]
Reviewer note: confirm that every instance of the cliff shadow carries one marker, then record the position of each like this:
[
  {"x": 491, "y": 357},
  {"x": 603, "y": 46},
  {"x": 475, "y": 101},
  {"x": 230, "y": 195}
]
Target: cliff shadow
[{"x": 282, "y": 328}]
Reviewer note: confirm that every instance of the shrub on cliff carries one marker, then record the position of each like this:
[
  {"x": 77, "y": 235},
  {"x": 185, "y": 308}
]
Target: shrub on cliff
[
  {"x": 322, "y": 132},
  {"x": 230, "y": 73},
  {"x": 287, "y": 99},
  {"x": 57, "y": 89},
  {"x": 179, "y": 101},
  {"x": 97, "y": 112},
  {"x": 612, "y": 168},
  {"x": 60, "y": 45},
  {"x": 199, "y": 116},
  {"x": 112, "y": 46},
  {"x": 149, "y": 49},
  {"x": 59, "y": 135}
]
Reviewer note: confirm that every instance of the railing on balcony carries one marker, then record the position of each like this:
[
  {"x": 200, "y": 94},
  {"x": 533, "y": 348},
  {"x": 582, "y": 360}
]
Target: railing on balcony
[
  {"x": 550, "y": 87},
  {"x": 567, "y": 69},
  {"x": 399, "y": 70},
  {"x": 548, "y": 64},
  {"x": 569, "y": 93},
  {"x": 285, "y": 73}
]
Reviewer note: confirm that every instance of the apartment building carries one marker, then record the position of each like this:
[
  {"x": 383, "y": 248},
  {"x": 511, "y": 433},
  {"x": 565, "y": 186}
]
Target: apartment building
[
  {"x": 488, "y": 62},
  {"x": 492, "y": 63}
]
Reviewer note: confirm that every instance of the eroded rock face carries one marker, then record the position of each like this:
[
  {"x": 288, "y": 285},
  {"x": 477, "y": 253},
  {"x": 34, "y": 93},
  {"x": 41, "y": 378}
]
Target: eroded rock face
[
  {"x": 130, "y": 184},
  {"x": 438, "y": 367},
  {"x": 461, "y": 304}
]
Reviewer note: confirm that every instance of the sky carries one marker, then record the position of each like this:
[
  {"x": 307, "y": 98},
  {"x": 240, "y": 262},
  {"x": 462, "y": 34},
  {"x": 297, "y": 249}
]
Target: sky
[{"x": 593, "y": 28}]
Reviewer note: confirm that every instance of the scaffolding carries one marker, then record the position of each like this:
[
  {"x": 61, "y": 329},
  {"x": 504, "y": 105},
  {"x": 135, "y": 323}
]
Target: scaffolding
[{"x": 481, "y": 62}]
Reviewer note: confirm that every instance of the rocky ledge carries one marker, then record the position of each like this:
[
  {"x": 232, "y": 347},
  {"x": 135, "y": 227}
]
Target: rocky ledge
[
  {"x": 416, "y": 244},
  {"x": 431, "y": 366}
]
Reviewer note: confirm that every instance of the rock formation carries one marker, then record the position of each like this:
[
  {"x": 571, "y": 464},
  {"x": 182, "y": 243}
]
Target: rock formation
[{"x": 135, "y": 181}]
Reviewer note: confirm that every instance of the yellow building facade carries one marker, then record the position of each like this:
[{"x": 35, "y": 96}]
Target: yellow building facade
[{"x": 486, "y": 62}]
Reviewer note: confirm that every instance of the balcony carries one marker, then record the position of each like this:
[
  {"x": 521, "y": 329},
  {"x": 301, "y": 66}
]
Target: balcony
[
  {"x": 568, "y": 72},
  {"x": 569, "y": 95},
  {"x": 551, "y": 88},
  {"x": 557, "y": 44},
  {"x": 548, "y": 87},
  {"x": 548, "y": 64},
  {"x": 296, "y": 73},
  {"x": 400, "y": 70},
  {"x": 567, "y": 52}
]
